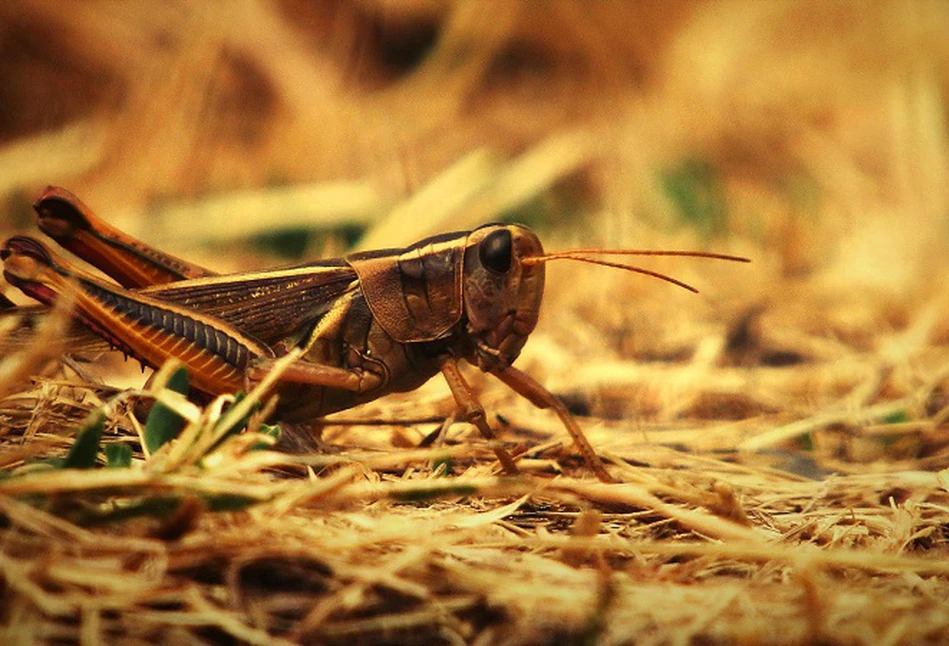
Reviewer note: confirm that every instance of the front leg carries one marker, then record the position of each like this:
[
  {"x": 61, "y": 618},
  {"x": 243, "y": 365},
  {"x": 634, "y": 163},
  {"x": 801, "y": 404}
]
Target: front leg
[
  {"x": 471, "y": 408},
  {"x": 526, "y": 387}
]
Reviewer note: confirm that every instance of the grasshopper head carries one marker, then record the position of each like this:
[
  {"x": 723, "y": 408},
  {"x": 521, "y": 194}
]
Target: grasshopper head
[{"x": 502, "y": 294}]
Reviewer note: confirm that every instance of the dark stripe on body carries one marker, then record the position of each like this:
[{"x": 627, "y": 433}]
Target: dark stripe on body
[{"x": 202, "y": 335}]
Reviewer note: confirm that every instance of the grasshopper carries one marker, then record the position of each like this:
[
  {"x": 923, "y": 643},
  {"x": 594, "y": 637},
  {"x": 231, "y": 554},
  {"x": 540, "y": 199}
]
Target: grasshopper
[{"x": 368, "y": 324}]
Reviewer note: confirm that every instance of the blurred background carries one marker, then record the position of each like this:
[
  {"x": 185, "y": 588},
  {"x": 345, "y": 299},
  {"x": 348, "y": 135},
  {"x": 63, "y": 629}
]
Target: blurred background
[
  {"x": 804, "y": 396},
  {"x": 811, "y": 136}
]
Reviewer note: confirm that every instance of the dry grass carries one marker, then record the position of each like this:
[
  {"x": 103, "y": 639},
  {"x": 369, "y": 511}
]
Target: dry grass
[{"x": 782, "y": 440}]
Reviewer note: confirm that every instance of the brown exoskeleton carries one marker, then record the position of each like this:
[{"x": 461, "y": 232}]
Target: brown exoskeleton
[{"x": 369, "y": 324}]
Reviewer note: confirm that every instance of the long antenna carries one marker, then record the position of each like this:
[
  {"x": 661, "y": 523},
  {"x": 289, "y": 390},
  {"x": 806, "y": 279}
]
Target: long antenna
[
  {"x": 581, "y": 255},
  {"x": 573, "y": 253}
]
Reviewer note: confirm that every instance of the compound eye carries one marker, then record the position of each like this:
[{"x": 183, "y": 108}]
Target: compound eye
[{"x": 495, "y": 251}]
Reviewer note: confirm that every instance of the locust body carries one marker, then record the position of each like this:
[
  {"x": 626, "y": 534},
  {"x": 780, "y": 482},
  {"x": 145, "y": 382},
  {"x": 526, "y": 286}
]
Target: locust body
[{"x": 368, "y": 324}]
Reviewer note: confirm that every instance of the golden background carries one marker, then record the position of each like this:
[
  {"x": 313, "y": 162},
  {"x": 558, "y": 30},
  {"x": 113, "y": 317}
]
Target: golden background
[{"x": 803, "y": 399}]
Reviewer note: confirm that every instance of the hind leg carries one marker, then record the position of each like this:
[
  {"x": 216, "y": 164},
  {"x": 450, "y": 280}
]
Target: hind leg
[{"x": 131, "y": 262}]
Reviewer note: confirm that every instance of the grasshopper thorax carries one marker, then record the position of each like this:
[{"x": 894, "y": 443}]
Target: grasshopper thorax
[{"x": 501, "y": 294}]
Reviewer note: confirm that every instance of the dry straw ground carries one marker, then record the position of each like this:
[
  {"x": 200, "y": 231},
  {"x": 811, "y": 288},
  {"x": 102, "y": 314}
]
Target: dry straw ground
[{"x": 782, "y": 439}]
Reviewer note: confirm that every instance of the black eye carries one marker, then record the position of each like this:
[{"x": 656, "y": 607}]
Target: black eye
[{"x": 495, "y": 251}]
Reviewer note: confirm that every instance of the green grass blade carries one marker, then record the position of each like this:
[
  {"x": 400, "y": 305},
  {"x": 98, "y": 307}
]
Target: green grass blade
[
  {"x": 163, "y": 424},
  {"x": 85, "y": 450}
]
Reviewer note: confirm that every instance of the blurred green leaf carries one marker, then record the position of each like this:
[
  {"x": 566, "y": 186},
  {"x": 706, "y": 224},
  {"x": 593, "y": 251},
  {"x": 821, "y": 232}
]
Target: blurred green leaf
[
  {"x": 228, "y": 502},
  {"x": 534, "y": 213},
  {"x": 806, "y": 443},
  {"x": 558, "y": 206},
  {"x": 273, "y": 430},
  {"x": 433, "y": 493},
  {"x": 239, "y": 426},
  {"x": 695, "y": 189},
  {"x": 289, "y": 243},
  {"x": 163, "y": 424},
  {"x": 292, "y": 243},
  {"x": 442, "y": 467},
  {"x": 897, "y": 417},
  {"x": 118, "y": 456},
  {"x": 85, "y": 450},
  {"x": 242, "y": 423},
  {"x": 158, "y": 506}
]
